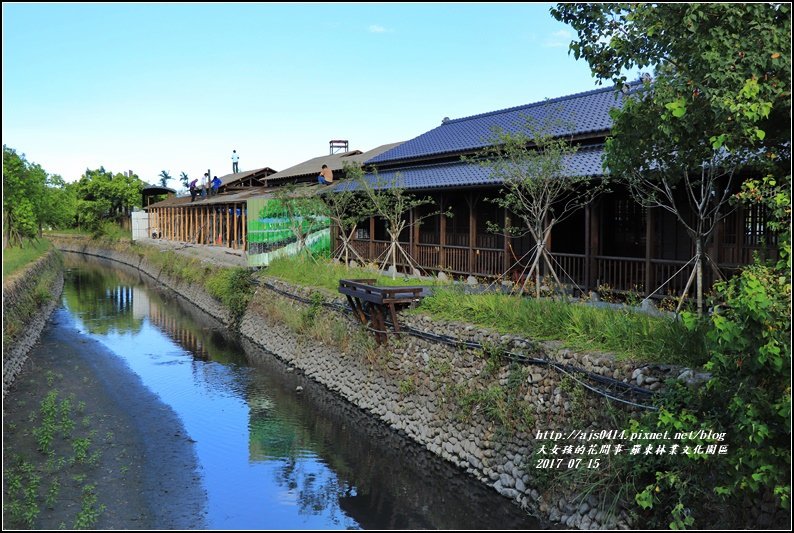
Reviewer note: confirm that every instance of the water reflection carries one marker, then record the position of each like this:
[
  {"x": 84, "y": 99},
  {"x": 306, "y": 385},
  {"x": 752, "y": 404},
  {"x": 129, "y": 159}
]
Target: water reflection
[{"x": 272, "y": 458}]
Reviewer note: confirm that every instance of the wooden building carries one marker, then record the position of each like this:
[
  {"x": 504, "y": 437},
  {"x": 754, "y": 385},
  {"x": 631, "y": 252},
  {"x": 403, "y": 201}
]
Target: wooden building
[
  {"x": 217, "y": 220},
  {"x": 613, "y": 242}
]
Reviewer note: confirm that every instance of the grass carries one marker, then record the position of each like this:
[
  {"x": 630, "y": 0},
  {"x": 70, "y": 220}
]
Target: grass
[
  {"x": 34, "y": 478},
  {"x": 326, "y": 274},
  {"x": 15, "y": 258},
  {"x": 628, "y": 334}
]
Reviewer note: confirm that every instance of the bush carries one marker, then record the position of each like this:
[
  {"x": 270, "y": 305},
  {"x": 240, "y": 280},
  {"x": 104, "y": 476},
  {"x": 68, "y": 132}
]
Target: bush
[
  {"x": 747, "y": 400},
  {"x": 232, "y": 287}
]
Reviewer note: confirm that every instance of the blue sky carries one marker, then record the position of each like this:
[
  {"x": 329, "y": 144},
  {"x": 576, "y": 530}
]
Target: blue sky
[{"x": 177, "y": 87}]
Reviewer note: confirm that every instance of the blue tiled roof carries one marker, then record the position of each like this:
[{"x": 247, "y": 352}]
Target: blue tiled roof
[
  {"x": 585, "y": 162},
  {"x": 576, "y": 114}
]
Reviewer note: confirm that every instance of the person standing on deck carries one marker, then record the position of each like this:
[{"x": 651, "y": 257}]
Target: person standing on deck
[{"x": 235, "y": 159}]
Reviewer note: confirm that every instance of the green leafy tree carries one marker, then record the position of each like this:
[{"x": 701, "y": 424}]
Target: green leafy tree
[
  {"x": 101, "y": 196},
  {"x": 184, "y": 179},
  {"x": 537, "y": 189},
  {"x": 60, "y": 203},
  {"x": 721, "y": 96},
  {"x": 24, "y": 193},
  {"x": 347, "y": 208},
  {"x": 388, "y": 199}
]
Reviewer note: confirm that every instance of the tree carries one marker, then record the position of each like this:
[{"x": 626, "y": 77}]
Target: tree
[
  {"x": 680, "y": 171},
  {"x": 24, "y": 190},
  {"x": 721, "y": 94},
  {"x": 537, "y": 189},
  {"x": 101, "y": 196},
  {"x": 388, "y": 199},
  {"x": 720, "y": 99},
  {"x": 60, "y": 203},
  {"x": 346, "y": 209},
  {"x": 184, "y": 179},
  {"x": 164, "y": 177}
]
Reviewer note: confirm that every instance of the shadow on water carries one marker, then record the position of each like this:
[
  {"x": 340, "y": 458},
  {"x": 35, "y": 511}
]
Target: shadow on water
[{"x": 272, "y": 458}]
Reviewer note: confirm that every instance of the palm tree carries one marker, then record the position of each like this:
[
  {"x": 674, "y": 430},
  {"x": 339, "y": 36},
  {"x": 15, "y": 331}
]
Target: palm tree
[
  {"x": 164, "y": 177},
  {"x": 183, "y": 177}
]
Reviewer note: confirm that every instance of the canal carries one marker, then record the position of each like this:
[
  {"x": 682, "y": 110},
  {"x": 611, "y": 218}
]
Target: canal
[{"x": 270, "y": 456}]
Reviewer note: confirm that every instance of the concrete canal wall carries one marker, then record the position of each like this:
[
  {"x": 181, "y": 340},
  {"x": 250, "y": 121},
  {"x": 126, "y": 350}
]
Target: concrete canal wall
[
  {"x": 470, "y": 407},
  {"x": 29, "y": 297}
]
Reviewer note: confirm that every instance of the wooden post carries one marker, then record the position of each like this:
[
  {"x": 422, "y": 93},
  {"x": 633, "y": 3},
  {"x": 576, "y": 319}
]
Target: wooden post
[
  {"x": 442, "y": 237},
  {"x": 244, "y": 224},
  {"x": 234, "y": 214},
  {"x": 594, "y": 242},
  {"x": 649, "y": 277},
  {"x": 413, "y": 235},
  {"x": 228, "y": 227},
  {"x": 506, "y": 262},
  {"x": 587, "y": 246},
  {"x": 472, "y": 231},
  {"x": 371, "y": 238}
]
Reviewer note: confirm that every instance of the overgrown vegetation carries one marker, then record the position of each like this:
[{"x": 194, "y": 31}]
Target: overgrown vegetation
[
  {"x": 504, "y": 406},
  {"x": 628, "y": 334},
  {"x": 232, "y": 286},
  {"x": 28, "y": 303}
]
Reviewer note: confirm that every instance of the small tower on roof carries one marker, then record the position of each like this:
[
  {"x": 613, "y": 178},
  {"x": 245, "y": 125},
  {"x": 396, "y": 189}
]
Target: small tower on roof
[{"x": 338, "y": 146}]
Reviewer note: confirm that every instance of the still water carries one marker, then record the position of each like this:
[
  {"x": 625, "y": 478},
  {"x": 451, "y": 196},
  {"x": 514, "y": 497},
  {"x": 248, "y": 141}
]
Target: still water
[{"x": 271, "y": 458}]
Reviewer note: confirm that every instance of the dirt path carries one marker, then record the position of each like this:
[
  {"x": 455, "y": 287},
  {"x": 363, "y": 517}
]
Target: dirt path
[{"x": 114, "y": 444}]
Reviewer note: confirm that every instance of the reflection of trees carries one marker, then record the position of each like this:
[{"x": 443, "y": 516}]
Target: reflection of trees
[
  {"x": 379, "y": 478},
  {"x": 197, "y": 333},
  {"x": 102, "y": 299}
]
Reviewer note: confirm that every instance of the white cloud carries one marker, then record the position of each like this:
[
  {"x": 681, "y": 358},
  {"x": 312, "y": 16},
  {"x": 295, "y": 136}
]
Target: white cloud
[
  {"x": 376, "y": 28},
  {"x": 558, "y": 39}
]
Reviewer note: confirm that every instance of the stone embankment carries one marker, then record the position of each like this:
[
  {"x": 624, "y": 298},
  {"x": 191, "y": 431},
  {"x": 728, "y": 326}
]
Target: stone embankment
[{"x": 29, "y": 297}]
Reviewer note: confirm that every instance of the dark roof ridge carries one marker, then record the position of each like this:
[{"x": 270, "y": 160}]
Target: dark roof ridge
[
  {"x": 431, "y": 164},
  {"x": 533, "y": 104}
]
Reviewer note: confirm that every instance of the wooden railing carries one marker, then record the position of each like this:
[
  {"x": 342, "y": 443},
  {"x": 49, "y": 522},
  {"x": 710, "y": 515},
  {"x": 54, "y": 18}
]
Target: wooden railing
[
  {"x": 456, "y": 259},
  {"x": 488, "y": 262},
  {"x": 616, "y": 273},
  {"x": 570, "y": 268},
  {"x": 620, "y": 273},
  {"x": 428, "y": 255}
]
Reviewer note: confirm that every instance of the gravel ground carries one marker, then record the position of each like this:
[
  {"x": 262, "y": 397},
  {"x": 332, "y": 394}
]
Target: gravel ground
[{"x": 214, "y": 254}]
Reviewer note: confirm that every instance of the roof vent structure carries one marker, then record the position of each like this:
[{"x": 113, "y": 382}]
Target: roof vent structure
[
  {"x": 338, "y": 146},
  {"x": 445, "y": 120}
]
